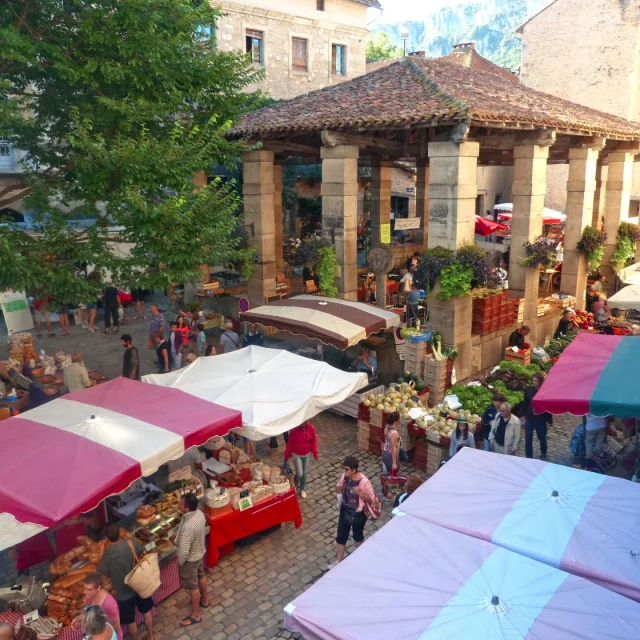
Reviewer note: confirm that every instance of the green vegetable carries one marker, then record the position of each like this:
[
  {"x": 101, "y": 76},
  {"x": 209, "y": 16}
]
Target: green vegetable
[
  {"x": 455, "y": 280},
  {"x": 513, "y": 397},
  {"x": 519, "y": 369},
  {"x": 473, "y": 398}
]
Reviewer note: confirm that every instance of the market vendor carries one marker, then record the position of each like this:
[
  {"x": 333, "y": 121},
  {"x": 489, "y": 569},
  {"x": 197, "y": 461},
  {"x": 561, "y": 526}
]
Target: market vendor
[
  {"x": 565, "y": 325},
  {"x": 599, "y": 285},
  {"x": 76, "y": 377},
  {"x": 413, "y": 300},
  {"x": 461, "y": 437},
  {"x": 365, "y": 362},
  {"x": 519, "y": 337}
]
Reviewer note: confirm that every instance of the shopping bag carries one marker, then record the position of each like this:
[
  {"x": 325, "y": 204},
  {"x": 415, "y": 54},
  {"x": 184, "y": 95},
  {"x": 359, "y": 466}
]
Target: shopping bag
[{"x": 144, "y": 578}]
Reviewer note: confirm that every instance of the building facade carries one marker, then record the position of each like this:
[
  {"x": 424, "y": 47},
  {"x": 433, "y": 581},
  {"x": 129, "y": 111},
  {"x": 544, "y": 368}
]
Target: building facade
[
  {"x": 300, "y": 45},
  {"x": 588, "y": 53}
]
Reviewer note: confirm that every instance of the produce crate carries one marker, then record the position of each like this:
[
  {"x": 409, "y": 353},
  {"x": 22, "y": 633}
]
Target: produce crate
[
  {"x": 350, "y": 406},
  {"x": 376, "y": 418},
  {"x": 523, "y": 356}
]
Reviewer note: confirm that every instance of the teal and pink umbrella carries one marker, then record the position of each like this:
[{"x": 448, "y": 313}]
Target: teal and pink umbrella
[{"x": 595, "y": 374}]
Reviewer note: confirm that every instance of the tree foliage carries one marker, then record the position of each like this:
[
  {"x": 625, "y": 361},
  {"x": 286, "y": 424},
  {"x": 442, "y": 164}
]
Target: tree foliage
[
  {"x": 380, "y": 47},
  {"x": 116, "y": 104}
]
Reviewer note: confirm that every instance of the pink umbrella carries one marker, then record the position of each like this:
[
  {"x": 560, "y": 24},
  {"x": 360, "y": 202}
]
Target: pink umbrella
[
  {"x": 581, "y": 522},
  {"x": 66, "y": 456},
  {"x": 416, "y": 581},
  {"x": 486, "y": 227}
]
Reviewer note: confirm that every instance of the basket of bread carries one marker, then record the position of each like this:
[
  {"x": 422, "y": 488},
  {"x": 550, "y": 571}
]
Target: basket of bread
[{"x": 145, "y": 515}]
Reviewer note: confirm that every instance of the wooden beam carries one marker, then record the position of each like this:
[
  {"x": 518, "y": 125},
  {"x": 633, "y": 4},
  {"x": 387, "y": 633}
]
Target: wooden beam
[
  {"x": 283, "y": 146},
  {"x": 544, "y": 137},
  {"x": 336, "y": 138}
]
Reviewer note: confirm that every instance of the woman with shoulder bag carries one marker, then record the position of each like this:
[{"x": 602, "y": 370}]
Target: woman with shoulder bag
[
  {"x": 391, "y": 445},
  {"x": 354, "y": 491}
]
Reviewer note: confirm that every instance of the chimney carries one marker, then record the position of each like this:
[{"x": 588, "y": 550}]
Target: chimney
[{"x": 463, "y": 47}]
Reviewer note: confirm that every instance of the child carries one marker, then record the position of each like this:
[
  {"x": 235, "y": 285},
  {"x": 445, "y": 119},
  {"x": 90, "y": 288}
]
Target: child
[{"x": 201, "y": 343}]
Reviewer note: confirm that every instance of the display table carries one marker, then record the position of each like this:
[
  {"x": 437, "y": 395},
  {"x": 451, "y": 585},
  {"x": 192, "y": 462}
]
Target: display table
[
  {"x": 170, "y": 583},
  {"x": 228, "y": 528}
]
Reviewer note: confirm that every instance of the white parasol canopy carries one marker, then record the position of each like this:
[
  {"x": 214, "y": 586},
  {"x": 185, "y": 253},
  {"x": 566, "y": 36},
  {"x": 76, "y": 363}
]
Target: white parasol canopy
[
  {"x": 627, "y": 298},
  {"x": 275, "y": 390},
  {"x": 550, "y": 216},
  {"x": 630, "y": 274}
]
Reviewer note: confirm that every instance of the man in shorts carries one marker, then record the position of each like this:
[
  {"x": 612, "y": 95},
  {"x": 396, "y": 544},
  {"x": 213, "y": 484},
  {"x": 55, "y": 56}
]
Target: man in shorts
[
  {"x": 191, "y": 550},
  {"x": 116, "y": 563},
  {"x": 43, "y": 313}
]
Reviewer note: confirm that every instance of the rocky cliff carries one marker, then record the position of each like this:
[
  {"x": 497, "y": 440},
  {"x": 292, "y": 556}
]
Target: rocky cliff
[{"x": 491, "y": 24}]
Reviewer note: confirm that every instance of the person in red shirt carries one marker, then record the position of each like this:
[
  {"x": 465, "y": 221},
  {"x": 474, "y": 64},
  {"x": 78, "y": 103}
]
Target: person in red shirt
[{"x": 302, "y": 444}]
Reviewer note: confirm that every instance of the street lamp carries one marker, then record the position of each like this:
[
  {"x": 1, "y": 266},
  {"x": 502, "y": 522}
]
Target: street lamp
[{"x": 404, "y": 36}]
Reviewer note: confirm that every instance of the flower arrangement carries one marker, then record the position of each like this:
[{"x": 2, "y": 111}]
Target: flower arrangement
[
  {"x": 628, "y": 237},
  {"x": 591, "y": 244},
  {"x": 540, "y": 252}
]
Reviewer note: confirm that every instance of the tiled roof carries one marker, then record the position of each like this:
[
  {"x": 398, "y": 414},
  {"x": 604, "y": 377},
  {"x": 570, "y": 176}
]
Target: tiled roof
[
  {"x": 473, "y": 60},
  {"x": 417, "y": 91},
  {"x": 370, "y": 3}
]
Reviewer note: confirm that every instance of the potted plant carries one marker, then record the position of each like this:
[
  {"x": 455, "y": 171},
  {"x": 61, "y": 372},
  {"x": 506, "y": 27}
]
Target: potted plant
[
  {"x": 540, "y": 253},
  {"x": 591, "y": 244},
  {"x": 628, "y": 237}
]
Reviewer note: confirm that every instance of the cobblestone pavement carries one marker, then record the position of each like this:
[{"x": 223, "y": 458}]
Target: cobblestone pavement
[{"x": 250, "y": 587}]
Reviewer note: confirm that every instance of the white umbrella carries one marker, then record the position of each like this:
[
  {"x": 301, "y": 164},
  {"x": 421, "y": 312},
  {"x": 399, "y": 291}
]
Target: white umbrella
[
  {"x": 275, "y": 390},
  {"x": 627, "y": 298}
]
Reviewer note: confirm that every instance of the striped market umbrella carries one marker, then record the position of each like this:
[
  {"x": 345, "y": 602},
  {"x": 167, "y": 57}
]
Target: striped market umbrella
[
  {"x": 595, "y": 374},
  {"x": 413, "y": 580},
  {"x": 581, "y": 522},
  {"x": 65, "y": 457},
  {"x": 340, "y": 323}
]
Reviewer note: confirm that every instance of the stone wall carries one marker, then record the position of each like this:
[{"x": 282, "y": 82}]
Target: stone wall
[
  {"x": 343, "y": 23},
  {"x": 493, "y": 181}
]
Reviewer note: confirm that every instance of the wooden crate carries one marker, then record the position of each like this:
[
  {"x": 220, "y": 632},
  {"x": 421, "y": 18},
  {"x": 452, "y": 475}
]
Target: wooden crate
[
  {"x": 351, "y": 406},
  {"x": 523, "y": 356}
]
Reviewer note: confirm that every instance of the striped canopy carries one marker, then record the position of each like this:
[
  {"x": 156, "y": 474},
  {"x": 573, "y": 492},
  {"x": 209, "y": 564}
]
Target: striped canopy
[
  {"x": 65, "y": 457},
  {"x": 413, "y": 580},
  {"x": 340, "y": 323},
  {"x": 581, "y": 522},
  {"x": 595, "y": 374}
]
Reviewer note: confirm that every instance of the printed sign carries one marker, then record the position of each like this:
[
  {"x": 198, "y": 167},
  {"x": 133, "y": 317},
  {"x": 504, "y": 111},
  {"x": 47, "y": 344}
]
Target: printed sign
[
  {"x": 180, "y": 474},
  {"x": 16, "y": 311},
  {"x": 245, "y": 503},
  {"x": 404, "y": 224},
  {"x": 385, "y": 233},
  {"x": 30, "y": 617}
]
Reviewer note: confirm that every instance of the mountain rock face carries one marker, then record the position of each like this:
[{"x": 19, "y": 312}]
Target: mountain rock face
[{"x": 490, "y": 24}]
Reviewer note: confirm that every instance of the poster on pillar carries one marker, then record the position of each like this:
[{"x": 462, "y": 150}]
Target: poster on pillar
[{"x": 385, "y": 233}]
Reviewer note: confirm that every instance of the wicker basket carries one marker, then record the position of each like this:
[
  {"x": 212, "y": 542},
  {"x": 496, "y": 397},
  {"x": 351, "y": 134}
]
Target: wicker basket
[
  {"x": 216, "y": 500},
  {"x": 280, "y": 485},
  {"x": 144, "y": 579}
]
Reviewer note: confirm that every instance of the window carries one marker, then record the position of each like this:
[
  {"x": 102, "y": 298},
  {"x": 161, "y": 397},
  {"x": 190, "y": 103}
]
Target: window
[
  {"x": 6, "y": 156},
  {"x": 207, "y": 35},
  {"x": 299, "y": 54},
  {"x": 320, "y": 5},
  {"x": 255, "y": 45},
  {"x": 338, "y": 60}
]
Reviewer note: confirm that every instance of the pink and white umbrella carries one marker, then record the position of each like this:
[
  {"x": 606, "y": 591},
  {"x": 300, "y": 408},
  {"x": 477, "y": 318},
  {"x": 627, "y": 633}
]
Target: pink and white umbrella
[
  {"x": 65, "y": 457},
  {"x": 584, "y": 523},
  {"x": 416, "y": 581}
]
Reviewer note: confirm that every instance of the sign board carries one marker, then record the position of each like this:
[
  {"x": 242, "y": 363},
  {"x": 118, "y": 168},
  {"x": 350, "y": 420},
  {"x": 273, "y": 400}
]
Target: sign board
[
  {"x": 245, "y": 503},
  {"x": 385, "y": 233},
  {"x": 243, "y": 305},
  {"x": 180, "y": 474},
  {"x": 404, "y": 224},
  {"x": 16, "y": 311}
]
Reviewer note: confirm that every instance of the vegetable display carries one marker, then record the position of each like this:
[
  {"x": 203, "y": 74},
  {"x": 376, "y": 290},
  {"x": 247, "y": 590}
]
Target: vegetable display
[
  {"x": 473, "y": 398},
  {"x": 414, "y": 381},
  {"x": 557, "y": 346},
  {"x": 401, "y": 399}
]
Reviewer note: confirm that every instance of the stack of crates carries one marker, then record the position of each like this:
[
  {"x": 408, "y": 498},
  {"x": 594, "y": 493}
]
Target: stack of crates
[
  {"x": 518, "y": 306},
  {"x": 436, "y": 453},
  {"x": 370, "y": 430},
  {"x": 415, "y": 353},
  {"x": 420, "y": 456},
  {"x": 435, "y": 377}
]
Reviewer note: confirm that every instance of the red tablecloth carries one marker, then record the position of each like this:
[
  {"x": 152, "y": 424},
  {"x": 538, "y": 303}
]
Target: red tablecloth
[{"x": 226, "y": 529}]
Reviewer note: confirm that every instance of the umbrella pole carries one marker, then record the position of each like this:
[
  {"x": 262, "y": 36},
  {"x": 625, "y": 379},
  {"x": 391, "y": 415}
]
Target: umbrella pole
[{"x": 321, "y": 352}]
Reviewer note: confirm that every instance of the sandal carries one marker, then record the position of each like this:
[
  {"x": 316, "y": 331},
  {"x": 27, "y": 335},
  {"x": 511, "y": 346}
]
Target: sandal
[
  {"x": 189, "y": 621},
  {"x": 52, "y": 335},
  {"x": 203, "y": 605}
]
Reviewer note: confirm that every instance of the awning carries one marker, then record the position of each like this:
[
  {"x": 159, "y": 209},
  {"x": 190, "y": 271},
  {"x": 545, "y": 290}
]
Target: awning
[
  {"x": 275, "y": 390},
  {"x": 413, "y": 580},
  {"x": 630, "y": 275},
  {"x": 65, "y": 457},
  {"x": 581, "y": 522},
  {"x": 627, "y": 298},
  {"x": 485, "y": 227},
  {"x": 550, "y": 216},
  {"x": 595, "y": 374},
  {"x": 337, "y": 322}
]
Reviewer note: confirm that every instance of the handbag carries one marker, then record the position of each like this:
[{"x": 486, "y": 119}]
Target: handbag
[
  {"x": 402, "y": 454},
  {"x": 273, "y": 442},
  {"x": 144, "y": 578}
]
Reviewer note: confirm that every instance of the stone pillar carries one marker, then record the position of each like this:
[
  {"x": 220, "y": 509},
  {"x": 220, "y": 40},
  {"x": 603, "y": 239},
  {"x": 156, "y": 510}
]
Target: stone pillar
[
  {"x": 422, "y": 200},
  {"x": 452, "y": 193},
  {"x": 277, "y": 214},
  {"x": 380, "y": 198},
  {"x": 529, "y": 189},
  {"x": 580, "y": 199},
  {"x": 616, "y": 206},
  {"x": 258, "y": 190},
  {"x": 600, "y": 195},
  {"x": 340, "y": 212}
]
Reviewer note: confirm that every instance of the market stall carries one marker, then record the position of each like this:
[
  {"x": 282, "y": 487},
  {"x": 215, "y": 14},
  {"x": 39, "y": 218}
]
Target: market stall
[
  {"x": 581, "y": 522},
  {"x": 596, "y": 374},
  {"x": 340, "y": 323},
  {"x": 104, "y": 438},
  {"x": 549, "y": 216},
  {"x": 413, "y": 580},
  {"x": 275, "y": 390}
]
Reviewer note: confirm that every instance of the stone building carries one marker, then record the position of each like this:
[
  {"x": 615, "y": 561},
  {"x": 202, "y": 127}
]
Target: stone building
[
  {"x": 448, "y": 119},
  {"x": 301, "y": 45},
  {"x": 588, "y": 53}
]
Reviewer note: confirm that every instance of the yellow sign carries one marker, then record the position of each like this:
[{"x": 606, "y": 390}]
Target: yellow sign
[{"x": 385, "y": 233}]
